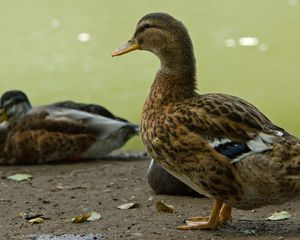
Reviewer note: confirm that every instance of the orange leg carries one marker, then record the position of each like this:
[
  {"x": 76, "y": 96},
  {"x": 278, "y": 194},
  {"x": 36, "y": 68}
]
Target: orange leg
[
  {"x": 225, "y": 214},
  {"x": 197, "y": 219},
  {"x": 205, "y": 223}
]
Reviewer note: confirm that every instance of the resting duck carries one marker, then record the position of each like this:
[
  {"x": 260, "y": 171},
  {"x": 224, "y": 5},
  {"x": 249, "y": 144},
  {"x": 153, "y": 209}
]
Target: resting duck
[
  {"x": 64, "y": 130},
  {"x": 156, "y": 175},
  {"x": 221, "y": 146}
]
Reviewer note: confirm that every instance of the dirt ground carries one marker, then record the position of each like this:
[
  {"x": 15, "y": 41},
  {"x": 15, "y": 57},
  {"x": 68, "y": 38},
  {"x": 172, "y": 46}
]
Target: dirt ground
[{"x": 62, "y": 191}]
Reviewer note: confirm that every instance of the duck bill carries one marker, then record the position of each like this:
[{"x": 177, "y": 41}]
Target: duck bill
[
  {"x": 3, "y": 116},
  {"x": 126, "y": 48}
]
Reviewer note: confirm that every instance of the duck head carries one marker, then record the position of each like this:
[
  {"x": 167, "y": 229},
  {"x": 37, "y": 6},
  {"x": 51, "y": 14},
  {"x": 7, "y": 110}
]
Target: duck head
[
  {"x": 162, "y": 35},
  {"x": 14, "y": 105}
]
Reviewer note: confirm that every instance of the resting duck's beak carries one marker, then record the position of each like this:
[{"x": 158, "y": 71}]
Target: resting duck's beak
[
  {"x": 3, "y": 115},
  {"x": 127, "y": 47}
]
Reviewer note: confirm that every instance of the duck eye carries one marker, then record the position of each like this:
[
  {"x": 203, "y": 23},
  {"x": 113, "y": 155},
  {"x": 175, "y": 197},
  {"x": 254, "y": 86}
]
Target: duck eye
[
  {"x": 142, "y": 28},
  {"x": 147, "y": 26}
]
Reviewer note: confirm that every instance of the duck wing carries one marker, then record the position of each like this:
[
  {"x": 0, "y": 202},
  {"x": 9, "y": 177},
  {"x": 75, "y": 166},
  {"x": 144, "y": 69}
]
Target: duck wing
[
  {"x": 41, "y": 146},
  {"x": 37, "y": 120},
  {"x": 37, "y": 139},
  {"x": 231, "y": 126},
  {"x": 89, "y": 108},
  {"x": 98, "y": 125}
]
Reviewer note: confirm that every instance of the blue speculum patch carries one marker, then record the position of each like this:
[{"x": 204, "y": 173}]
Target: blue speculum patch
[{"x": 232, "y": 149}]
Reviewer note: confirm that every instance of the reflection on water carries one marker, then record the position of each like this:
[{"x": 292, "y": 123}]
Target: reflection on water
[
  {"x": 293, "y": 2},
  {"x": 230, "y": 42},
  {"x": 263, "y": 47},
  {"x": 83, "y": 37},
  {"x": 55, "y": 23},
  {"x": 57, "y": 50},
  {"x": 248, "y": 41}
]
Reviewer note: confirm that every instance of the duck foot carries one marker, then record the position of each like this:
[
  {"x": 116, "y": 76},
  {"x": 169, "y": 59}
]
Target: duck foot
[
  {"x": 210, "y": 222},
  {"x": 224, "y": 217}
]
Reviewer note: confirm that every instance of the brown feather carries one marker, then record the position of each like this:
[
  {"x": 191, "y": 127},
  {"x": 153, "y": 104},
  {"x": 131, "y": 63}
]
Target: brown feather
[
  {"x": 36, "y": 139},
  {"x": 39, "y": 146}
]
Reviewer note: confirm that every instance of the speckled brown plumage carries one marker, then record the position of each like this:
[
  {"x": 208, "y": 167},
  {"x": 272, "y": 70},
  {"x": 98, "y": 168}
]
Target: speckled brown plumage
[
  {"x": 220, "y": 145},
  {"x": 37, "y": 139}
]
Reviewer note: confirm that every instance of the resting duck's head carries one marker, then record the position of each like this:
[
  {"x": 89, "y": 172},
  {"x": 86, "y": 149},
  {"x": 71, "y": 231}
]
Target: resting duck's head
[
  {"x": 14, "y": 105},
  {"x": 161, "y": 34}
]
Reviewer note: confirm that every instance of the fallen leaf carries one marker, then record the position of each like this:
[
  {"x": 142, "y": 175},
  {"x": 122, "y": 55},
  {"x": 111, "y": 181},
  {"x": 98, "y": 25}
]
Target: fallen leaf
[
  {"x": 33, "y": 215},
  {"x": 138, "y": 234},
  {"x": 150, "y": 198},
  {"x": 20, "y": 177},
  {"x": 128, "y": 206},
  {"x": 61, "y": 186},
  {"x": 250, "y": 232},
  {"x": 163, "y": 207},
  {"x": 30, "y": 215},
  {"x": 81, "y": 218},
  {"x": 36, "y": 220},
  {"x": 94, "y": 216},
  {"x": 279, "y": 216},
  {"x": 91, "y": 216}
]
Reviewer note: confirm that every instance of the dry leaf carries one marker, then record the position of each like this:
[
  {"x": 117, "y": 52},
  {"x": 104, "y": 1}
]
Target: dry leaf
[
  {"x": 30, "y": 215},
  {"x": 20, "y": 177},
  {"x": 36, "y": 220},
  {"x": 163, "y": 207},
  {"x": 128, "y": 206},
  {"x": 279, "y": 216},
  {"x": 61, "y": 186},
  {"x": 250, "y": 232},
  {"x": 81, "y": 218},
  {"x": 94, "y": 216}
]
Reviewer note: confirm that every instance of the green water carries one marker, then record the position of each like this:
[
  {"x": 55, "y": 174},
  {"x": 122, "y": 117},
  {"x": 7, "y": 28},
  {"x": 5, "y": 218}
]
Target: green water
[{"x": 40, "y": 52}]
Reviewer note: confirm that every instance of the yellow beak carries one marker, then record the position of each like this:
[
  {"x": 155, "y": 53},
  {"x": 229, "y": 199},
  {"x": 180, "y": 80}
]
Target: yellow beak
[
  {"x": 126, "y": 48},
  {"x": 3, "y": 115}
]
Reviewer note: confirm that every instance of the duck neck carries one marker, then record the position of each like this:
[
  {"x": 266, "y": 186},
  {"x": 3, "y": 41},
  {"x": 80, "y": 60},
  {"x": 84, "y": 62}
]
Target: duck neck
[
  {"x": 176, "y": 78},
  {"x": 18, "y": 111}
]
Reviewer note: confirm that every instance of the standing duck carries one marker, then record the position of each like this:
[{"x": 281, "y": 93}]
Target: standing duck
[
  {"x": 64, "y": 130},
  {"x": 221, "y": 146}
]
